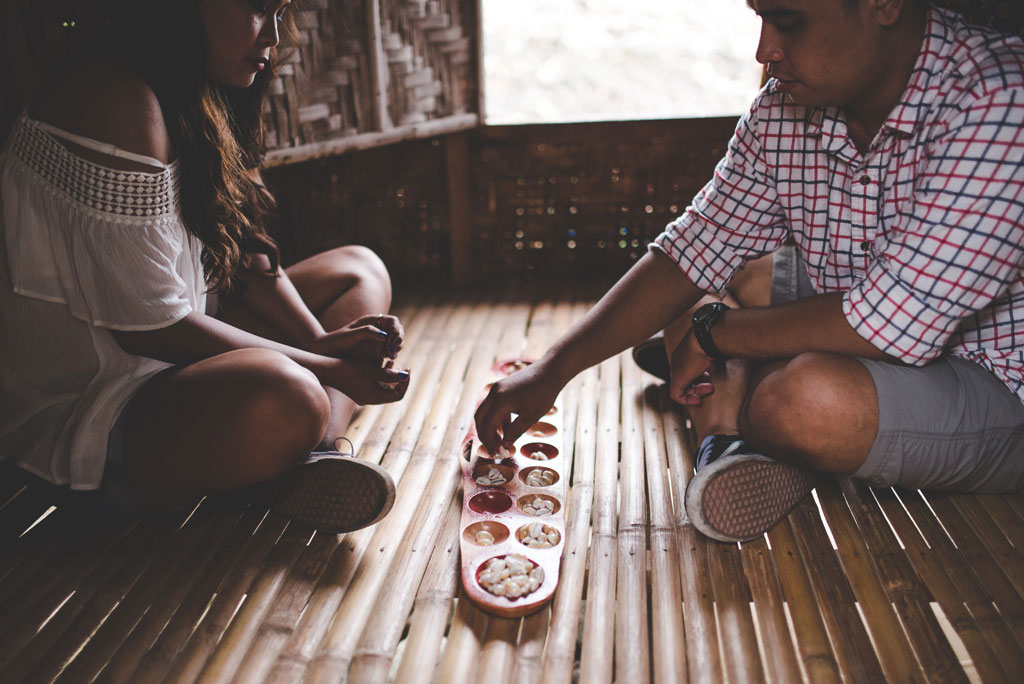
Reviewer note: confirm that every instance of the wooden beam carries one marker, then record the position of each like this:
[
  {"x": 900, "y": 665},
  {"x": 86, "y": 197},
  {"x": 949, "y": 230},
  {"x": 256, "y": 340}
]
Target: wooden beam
[
  {"x": 364, "y": 141},
  {"x": 378, "y": 67}
]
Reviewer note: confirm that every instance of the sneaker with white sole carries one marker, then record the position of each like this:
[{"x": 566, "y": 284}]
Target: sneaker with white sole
[
  {"x": 333, "y": 492},
  {"x": 737, "y": 494}
]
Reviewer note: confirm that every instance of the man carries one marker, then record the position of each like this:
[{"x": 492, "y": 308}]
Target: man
[{"x": 869, "y": 220}]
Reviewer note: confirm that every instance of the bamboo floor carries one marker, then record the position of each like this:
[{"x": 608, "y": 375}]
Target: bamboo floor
[{"x": 857, "y": 585}]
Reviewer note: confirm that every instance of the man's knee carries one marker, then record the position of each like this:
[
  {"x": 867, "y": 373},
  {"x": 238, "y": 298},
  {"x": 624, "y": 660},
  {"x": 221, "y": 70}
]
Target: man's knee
[{"x": 809, "y": 409}]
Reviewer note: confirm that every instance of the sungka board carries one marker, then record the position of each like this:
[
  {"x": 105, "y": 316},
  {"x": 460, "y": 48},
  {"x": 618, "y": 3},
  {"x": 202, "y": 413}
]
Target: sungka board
[{"x": 513, "y": 515}]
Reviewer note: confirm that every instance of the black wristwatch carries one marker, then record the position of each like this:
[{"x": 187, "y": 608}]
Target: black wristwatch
[{"x": 703, "y": 319}]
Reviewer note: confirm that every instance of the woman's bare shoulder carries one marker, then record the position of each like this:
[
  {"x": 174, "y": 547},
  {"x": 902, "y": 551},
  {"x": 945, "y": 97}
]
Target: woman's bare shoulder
[{"x": 107, "y": 102}]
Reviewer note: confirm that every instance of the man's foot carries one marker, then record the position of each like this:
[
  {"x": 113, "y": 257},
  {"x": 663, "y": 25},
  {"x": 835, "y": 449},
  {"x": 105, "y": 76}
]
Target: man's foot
[
  {"x": 737, "y": 495},
  {"x": 334, "y": 493},
  {"x": 652, "y": 357}
]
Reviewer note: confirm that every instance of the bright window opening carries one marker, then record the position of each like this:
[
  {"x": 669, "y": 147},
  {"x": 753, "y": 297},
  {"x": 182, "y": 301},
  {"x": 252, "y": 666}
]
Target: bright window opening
[{"x": 585, "y": 60}]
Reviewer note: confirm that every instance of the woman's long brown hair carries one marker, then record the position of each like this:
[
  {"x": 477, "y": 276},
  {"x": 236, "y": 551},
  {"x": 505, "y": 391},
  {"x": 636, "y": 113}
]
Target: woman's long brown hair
[{"x": 216, "y": 132}]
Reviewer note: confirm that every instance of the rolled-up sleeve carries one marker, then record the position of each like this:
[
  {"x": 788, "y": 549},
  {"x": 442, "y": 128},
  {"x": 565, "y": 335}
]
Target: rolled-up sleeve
[{"x": 734, "y": 218}]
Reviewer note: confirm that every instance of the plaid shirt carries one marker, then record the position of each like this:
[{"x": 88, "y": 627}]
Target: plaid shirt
[{"x": 924, "y": 233}]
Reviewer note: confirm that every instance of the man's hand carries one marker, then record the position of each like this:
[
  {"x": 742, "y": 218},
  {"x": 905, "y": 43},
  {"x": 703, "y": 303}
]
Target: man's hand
[
  {"x": 690, "y": 381},
  {"x": 529, "y": 393}
]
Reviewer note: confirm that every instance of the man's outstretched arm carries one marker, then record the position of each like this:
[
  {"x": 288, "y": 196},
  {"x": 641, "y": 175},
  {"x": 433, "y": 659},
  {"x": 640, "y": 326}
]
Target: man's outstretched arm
[{"x": 653, "y": 293}]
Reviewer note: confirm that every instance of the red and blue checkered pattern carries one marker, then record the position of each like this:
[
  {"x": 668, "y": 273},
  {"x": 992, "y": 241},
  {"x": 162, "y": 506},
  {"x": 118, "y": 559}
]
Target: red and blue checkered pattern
[{"x": 924, "y": 232}]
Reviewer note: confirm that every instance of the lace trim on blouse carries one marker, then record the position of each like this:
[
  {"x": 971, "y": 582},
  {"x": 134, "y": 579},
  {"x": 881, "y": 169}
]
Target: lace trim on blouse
[{"x": 131, "y": 194}]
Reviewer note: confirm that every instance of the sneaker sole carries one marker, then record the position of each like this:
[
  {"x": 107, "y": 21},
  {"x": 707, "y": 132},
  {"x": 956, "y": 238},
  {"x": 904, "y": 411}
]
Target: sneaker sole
[
  {"x": 742, "y": 496},
  {"x": 336, "y": 494}
]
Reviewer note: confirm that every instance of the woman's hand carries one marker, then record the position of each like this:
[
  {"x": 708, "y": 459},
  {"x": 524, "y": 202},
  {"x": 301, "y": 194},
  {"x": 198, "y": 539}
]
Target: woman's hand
[
  {"x": 368, "y": 383},
  {"x": 372, "y": 339},
  {"x": 529, "y": 393}
]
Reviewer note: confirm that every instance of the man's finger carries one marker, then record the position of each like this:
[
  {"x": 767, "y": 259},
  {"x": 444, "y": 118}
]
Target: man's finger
[{"x": 486, "y": 424}]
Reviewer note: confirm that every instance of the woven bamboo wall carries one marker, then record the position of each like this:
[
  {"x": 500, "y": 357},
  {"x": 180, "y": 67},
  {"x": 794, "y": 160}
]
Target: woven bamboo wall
[
  {"x": 558, "y": 201},
  {"x": 392, "y": 199},
  {"x": 369, "y": 66}
]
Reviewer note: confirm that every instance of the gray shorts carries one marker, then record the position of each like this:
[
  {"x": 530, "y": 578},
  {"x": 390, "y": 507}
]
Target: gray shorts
[{"x": 950, "y": 425}]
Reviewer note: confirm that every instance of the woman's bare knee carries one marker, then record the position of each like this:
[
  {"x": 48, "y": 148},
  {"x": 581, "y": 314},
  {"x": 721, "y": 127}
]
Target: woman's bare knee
[
  {"x": 288, "y": 405},
  {"x": 365, "y": 267},
  {"x": 236, "y": 419}
]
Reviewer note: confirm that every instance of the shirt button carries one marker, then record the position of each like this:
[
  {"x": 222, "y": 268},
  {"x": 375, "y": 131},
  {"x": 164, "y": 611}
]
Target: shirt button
[
  {"x": 865, "y": 180},
  {"x": 865, "y": 245}
]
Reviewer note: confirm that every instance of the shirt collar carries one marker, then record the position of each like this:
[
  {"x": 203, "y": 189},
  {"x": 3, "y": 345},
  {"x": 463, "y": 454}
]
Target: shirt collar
[
  {"x": 910, "y": 110},
  {"x": 921, "y": 88}
]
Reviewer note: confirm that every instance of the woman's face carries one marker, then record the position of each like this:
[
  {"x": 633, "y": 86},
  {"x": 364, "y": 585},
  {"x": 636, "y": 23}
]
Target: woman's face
[{"x": 240, "y": 34}]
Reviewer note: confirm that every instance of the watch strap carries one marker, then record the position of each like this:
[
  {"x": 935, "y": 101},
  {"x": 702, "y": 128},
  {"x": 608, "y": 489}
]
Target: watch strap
[{"x": 703, "y": 320}]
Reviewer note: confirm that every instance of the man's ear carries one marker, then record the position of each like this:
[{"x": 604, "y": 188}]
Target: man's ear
[{"x": 888, "y": 12}]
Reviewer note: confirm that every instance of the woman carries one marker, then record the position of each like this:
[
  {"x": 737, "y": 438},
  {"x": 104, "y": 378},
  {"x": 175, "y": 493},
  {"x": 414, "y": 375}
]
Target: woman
[{"x": 129, "y": 190}]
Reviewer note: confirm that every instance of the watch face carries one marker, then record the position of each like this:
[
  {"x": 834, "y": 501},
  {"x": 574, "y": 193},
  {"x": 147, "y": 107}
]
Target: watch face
[{"x": 709, "y": 313}]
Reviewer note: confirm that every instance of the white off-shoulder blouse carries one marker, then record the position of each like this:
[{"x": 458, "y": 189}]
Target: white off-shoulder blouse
[{"x": 84, "y": 249}]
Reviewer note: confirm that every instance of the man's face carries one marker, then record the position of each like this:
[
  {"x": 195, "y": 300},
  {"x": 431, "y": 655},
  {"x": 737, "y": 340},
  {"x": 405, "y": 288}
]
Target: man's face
[{"x": 822, "y": 52}]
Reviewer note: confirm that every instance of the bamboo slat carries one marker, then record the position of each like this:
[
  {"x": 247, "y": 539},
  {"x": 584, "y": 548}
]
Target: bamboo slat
[
  {"x": 461, "y": 654},
  {"x": 1009, "y": 521},
  {"x": 1016, "y": 502},
  {"x": 230, "y": 592},
  {"x": 998, "y": 624},
  {"x": 1009, "y": 557},
  {"x": 529, "y": 655},
  {"x": 445, "y": 575},
  {"x": 970, "y": 628},
  {"x": 766, "y": 592},
  {"x": 47, "y": 576},
  {"x": 373, "y": 657},
  {"x": 560, "y": 651},
  {"x": 497, "y": 655},
  {"x": 160, "y": 657},
  {"x": 116, "y": 603},
  {"x": 230, "y": 651},
  {"x": 307, "y": 634},
  {"x": 168, "y": 601},
  {"x": 599, "y": 621},
  {"x": 20, "y": 511},
  {"x": 632, "y": 655},
  {"x": 704, "y": 662},
  {"x": 736, "y": 632},
  {"x": 850, "y": 642},
  {"x": 432, "y": 608},
  {"x": 668, "y": 652},
  {"x": 890, "y": 641},
  {"x": 26, "y": 562},
  {"x": 911, "y": 600},
  {"x": 86, "y": 577},
  {"x": 335, "y": 652},
  {"x": 982, "y": 563},
  {"x": 550, "y": 320},
  {"x": 812, "y": 640},
  {"x": 288, "y": 605}
]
